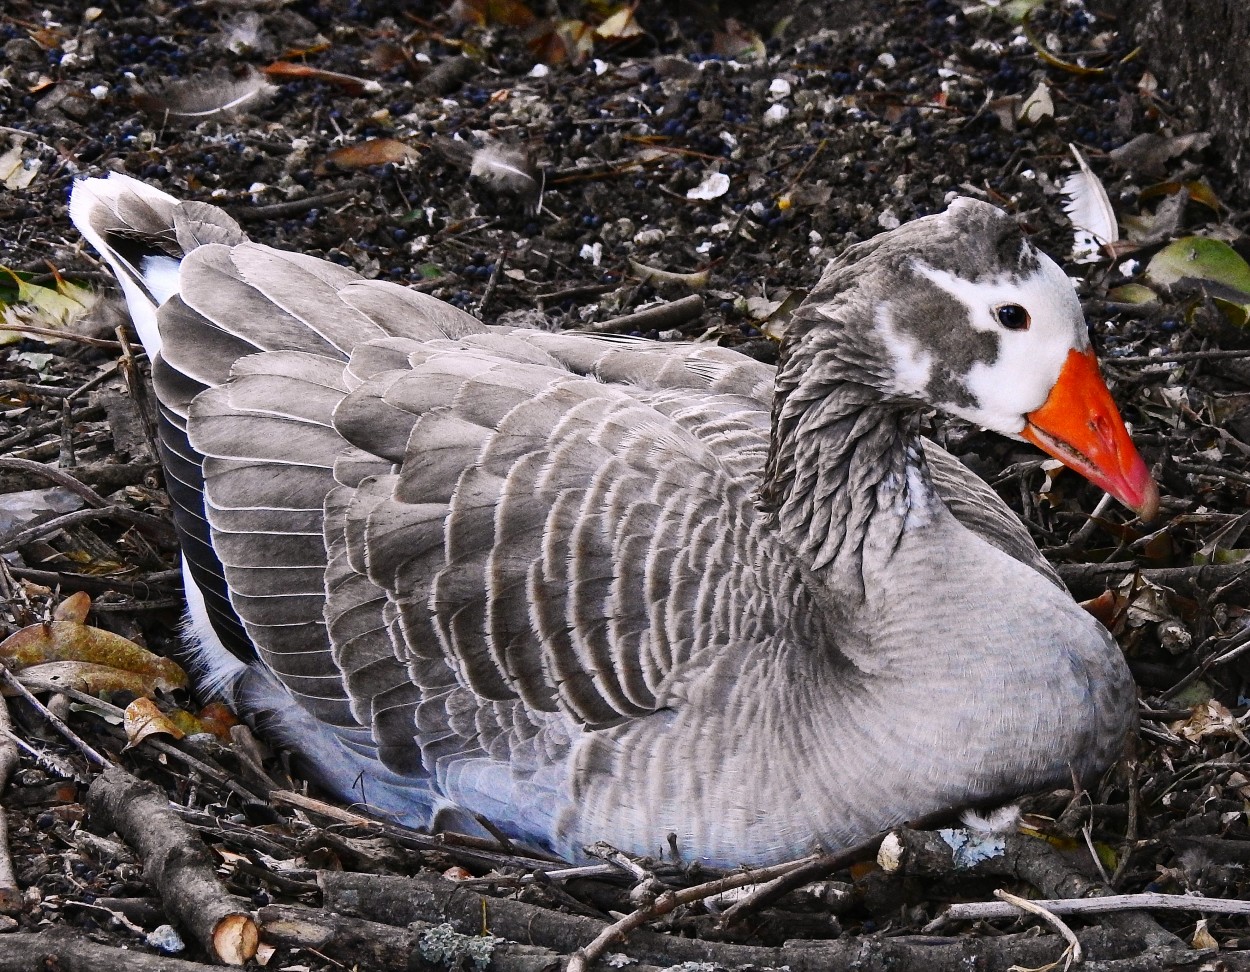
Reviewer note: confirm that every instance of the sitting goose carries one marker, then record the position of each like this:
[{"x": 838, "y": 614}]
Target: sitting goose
[{"x": 615, "y": 589}]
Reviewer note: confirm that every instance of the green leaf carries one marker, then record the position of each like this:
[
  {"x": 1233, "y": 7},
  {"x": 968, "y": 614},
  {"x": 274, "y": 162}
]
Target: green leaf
[
  {"x": 22, "y": 302},
  {"x": 1133, "y": 293},
  {"x": 1203, "y": 258},
  {"x": 1213, "y": 261}
]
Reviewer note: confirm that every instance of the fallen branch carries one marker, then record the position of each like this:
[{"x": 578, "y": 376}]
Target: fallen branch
[
  {"x": 70, "y": 950},
  {"x": 430, "y": 898},
  {"x": 1145, "y": 901},
  {"x": 374, "y": 945},
  {"x": 175, "y": 863},
  {"x": 1090, "y": 580},
  {"x": 1073, "y": 952},
  {"x": 665, "y": 316},
  {"x": 10, "y": 893}
]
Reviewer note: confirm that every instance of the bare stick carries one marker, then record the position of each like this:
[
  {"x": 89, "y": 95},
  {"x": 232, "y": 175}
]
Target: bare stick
[
  {"x": 10, "y": 893},
  {"x": 58, "y": 476},
  {"x": 175, "y": 863},
  {"x": 986, "y": 910},
  {"x": 584, "y": 957},
  {"x": 10, "y": 682},
  {"x": 1073, "y": 953},
  {"x": 672, "y": 314}
]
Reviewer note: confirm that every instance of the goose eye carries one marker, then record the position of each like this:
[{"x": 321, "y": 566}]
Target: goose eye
[{"x": 1012, "y": 316}]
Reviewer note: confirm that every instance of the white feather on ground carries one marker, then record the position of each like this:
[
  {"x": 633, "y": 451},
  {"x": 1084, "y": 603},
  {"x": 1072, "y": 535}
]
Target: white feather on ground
[
  {"x": 504, "y": 168},
  {"x": 1093, "y": 220},
  {"x": 195, "y": 99}
]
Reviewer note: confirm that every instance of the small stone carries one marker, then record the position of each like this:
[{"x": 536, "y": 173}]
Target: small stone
[{"x": 165, "y": 939}]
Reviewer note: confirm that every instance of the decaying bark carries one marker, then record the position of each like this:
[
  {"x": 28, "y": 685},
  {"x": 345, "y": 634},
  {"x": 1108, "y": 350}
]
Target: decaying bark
[
  {"x": 175, "y": 863},
  {"x": 429, "y": 898}
]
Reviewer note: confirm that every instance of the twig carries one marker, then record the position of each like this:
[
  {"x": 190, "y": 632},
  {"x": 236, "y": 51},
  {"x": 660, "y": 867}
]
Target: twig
[
  {"x": 11, "y": 682},
  {"x": 63, "y": 336},
  {"x": 1209, "y": 469},
  {"x": 58, "y": 476},
  {"x": 141, "y": 520},
  {"x": 10, "y": 893},
  {"x": 584, "y": 957},
  {"x": 1179, "y": 356},
  {"x": 92, "y": 383},
  {"x": 1073, "y": 953},
  {"x": 670, "y": 315},
  {"x": 296, "y": 207},
  {"x": 1130, "y": 827},
  {"x": 464, "y": 846},
  {"x": 1238, "y": 645},
  {"x": 1145, "y": 901},
  {"x": 492, "y": 283},
  {"x": 206, "y": 770}
]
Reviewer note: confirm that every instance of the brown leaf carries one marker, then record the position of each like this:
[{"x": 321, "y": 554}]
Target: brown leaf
[
  {"x": 290, "y": 71},
  {"x": 490, "y": 13},
  {"x": 143, "y": 719},
  {"x": 73, "y": 641},
  {"x": 74, "y": 608},
  {"x": 83, "y": 676},
  {"x": 620, "y": 25},
  {"x": 217, "y": 719},
  {"x": 374, "y": 151}
]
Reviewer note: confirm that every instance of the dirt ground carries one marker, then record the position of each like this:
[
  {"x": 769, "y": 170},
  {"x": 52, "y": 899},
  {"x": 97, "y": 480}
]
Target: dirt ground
[{"x": 568, "y": 168}]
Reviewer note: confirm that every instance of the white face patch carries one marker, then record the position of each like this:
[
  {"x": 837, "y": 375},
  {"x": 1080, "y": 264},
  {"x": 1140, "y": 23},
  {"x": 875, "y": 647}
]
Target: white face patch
[{"x": 1029, "y": 361}]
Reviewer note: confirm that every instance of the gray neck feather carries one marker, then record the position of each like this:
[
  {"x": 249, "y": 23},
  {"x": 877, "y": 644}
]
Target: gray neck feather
[{"x": 845, "y": 470}]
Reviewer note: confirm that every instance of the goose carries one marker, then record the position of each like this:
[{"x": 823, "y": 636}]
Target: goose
[{"x": 591, "y": 589}]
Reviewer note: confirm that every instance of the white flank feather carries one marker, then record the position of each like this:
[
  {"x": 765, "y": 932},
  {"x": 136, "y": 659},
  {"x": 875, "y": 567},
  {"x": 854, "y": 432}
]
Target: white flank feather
[{"x": 1093, "y": 219}]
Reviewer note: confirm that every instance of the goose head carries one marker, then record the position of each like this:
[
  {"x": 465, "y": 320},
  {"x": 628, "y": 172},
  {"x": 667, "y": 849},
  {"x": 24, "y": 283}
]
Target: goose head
[{"x": 959, "y": 312}]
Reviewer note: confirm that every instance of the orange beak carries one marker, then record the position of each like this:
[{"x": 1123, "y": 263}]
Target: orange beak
[{"x": 1080, "y": 426}]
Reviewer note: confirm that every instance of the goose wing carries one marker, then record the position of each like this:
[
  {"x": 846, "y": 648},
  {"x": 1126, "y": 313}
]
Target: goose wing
[{"x": 451, "y": 533}]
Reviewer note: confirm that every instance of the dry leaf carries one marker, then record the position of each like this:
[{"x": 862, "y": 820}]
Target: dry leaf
[
  {"x": 143, "y": 719},
  {"x": 1037, "y": 106},
  {"x": 620, "y": 26},
  {"x": 44, "y": 307},
  {"x": 374, "y": 151},
  {"x": 491, "y": 13},
  {"x": 1211, "y": 719},
  {"x": 57, "y": 641},
  {"x": 17, "y": 172},
  {"x": 82, "y": 676},
  {"x": 290, "y": 71},
  {"x": 738, "y": 42},
  {"x": 74, "y": 608},
  {"x": 1203, "y": 938}
]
